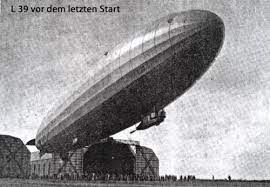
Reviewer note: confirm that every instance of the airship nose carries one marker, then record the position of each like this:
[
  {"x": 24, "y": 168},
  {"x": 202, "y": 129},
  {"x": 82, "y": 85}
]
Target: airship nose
[
  {"x": 203, "y": 27},
  {"x": 192, "y": 26},
  {"x": 209, "y": 26},
  {"x": 196, "y": 37},
  {"x": 207, "y": 19},
  {"x": 194, "y": 21},
  {"x": 202, "y": 16}
]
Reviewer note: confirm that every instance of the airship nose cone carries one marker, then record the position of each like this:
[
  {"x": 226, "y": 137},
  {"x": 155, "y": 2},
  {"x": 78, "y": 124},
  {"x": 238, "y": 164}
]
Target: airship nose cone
[
  {"x": 203, "y": 16},
  {"x": 198, "y": 17},
  {"x": 195, "y": 21},
  {"x": 208, "y": 19},
  {"x": 200, "y": 32},
  {"x": 211, "y": 28}
]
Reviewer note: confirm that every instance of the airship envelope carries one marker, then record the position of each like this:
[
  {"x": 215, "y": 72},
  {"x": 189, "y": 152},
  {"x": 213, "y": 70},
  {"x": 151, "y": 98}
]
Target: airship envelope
[{"x": 151, "y": 69}]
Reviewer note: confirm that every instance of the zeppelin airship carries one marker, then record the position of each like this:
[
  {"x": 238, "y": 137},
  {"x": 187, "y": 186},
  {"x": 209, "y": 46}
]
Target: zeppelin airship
[{"x": 134, "y": 81}]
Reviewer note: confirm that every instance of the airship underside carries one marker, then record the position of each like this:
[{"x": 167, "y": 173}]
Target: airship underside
[{"x": 150, "y": 70}]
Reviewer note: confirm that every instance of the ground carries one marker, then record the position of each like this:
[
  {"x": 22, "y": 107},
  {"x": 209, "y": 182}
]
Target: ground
[{"x": 197, "y": 183}]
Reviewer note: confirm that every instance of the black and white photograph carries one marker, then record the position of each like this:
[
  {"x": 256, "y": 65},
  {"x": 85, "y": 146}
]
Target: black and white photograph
[{"x": 134, "y": 93}]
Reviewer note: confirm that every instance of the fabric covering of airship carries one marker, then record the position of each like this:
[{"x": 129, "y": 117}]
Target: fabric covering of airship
[{"x": 152, "y": 69}]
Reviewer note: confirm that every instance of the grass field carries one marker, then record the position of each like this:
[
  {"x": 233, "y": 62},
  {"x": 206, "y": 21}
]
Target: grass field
[{"x": 203, "y": 183}]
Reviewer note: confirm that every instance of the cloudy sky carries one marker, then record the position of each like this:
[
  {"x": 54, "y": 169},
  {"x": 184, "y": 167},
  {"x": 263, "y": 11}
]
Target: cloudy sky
[{"x": 221, "y": 126}]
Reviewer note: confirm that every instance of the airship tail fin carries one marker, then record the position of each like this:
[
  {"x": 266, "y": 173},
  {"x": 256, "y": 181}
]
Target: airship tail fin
[{"x": 31, "y": 142}]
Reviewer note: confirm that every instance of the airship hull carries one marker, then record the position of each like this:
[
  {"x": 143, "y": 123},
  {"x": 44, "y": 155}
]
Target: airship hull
[{"x": 151, "y": 70}]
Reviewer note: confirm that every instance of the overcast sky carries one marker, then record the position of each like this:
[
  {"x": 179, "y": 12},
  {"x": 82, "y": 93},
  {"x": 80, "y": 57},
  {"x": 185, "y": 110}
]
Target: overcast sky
[{"x": 221, "y": 126}]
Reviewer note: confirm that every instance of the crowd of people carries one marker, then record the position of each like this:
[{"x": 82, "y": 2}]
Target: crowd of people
[
  {"x": 117, "y": 177},
  {"x": 132, "y": 177}
]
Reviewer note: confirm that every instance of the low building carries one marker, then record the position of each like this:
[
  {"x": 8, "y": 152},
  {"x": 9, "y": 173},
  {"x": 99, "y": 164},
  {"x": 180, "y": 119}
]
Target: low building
[
  {"x": 14, "y": 158},
  {"x": 41, "y": 166}
]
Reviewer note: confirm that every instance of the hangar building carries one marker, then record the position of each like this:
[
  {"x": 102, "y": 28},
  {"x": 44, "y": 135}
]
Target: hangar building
[
  {"x": 14, "y": 158},
  {"x": 108, "y": 157}
]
